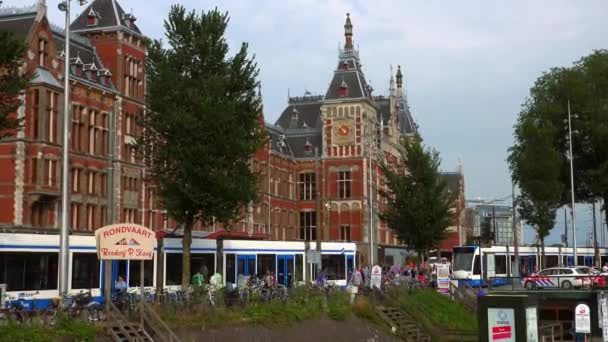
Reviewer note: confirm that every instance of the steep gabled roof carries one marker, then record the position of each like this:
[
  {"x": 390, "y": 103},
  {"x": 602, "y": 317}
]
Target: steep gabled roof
[
  {"x": 308, "y": 114},
  {"x": 353, "y": 79},
  {"x": 111, "y": 15},
  {"x": 82, "y": 50},
  {"x": 17, "y": 21}
]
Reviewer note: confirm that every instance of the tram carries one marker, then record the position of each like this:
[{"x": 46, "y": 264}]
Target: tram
[
  {"x": 29, "y": 263},
  {"x": 470, "y": 264}
]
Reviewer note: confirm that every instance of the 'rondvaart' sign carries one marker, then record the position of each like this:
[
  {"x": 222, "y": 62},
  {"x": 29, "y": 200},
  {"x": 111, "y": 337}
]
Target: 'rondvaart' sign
[{"x": 125, "y": 241}]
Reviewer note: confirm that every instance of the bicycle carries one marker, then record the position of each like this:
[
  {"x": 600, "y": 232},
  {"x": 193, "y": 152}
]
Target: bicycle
[{"x": 75, "y": 305}]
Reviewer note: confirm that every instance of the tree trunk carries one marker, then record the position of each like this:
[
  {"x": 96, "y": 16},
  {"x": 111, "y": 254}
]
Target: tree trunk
[
  {"x": 186, "y": 244},
  {"x": 542, "y": 254},
  {"x": 596, "y": 248}
]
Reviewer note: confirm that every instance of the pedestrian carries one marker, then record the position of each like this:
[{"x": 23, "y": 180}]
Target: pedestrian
[
  {"x": 121, "y": 284},
  {"x": 367, "y": 272},
  {"x": 355, "y": 283},
  {"x": 197, "y": 279},
  {"x": 205, "y": 273},
  {"x": 605, "y": 268}
]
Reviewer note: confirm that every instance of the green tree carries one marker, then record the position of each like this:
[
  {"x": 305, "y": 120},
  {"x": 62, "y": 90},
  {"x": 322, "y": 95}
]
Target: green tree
[
  {"x": 202, "y": 125},
  {"x": 420, "y": 206},
  {"x": 12, "y": 82},
  {"x": 535, "y": 167},
  {"x": 584, "y": 86}
]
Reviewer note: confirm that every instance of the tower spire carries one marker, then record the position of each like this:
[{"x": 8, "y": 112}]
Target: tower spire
[
  {"x": 399, "y": 81},
  {"x": 348, "y": 33}
]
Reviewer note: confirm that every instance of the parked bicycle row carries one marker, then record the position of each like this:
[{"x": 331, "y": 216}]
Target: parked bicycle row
[{"x": 23, "y": 309}]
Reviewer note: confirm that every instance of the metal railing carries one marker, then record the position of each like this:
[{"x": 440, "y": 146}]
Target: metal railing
[{"x": 549, "y": 283}]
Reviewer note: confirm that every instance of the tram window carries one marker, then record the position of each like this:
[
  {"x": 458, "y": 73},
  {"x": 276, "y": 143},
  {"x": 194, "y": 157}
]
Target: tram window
[
  {"x": 85, "y": 271},
  {"x": 29, "y": 271},
  {"x": 476, "y": 265},
  {"x": 500, "y": 264},
  {"x": 266, "y": 262},
  {"x": 580, "y": 259},
  {"x": 134, "y": 269},
  {"x": 333, "y": 265},
  {"x": 230, "y": 268},
  {"x": 173, "y": 269},
  {"x": 299, "y": 271},
  {"x": 551, "y": 260},
  {"x": 198, "y": 262}
]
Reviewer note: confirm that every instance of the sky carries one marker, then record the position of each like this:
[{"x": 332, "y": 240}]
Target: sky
[{"x": 468, "y": 65}]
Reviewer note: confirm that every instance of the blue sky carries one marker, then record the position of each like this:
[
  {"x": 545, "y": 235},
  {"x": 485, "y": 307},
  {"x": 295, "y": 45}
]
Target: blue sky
[{"x": 468, "y": 64}]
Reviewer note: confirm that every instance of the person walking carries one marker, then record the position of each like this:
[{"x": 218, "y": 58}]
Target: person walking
[
  {"x": 355, "y": 282},
  {"x": 197, "y": 279}
]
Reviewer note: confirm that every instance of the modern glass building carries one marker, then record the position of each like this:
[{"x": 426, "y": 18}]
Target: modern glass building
[{"x": 494, "y": 223}]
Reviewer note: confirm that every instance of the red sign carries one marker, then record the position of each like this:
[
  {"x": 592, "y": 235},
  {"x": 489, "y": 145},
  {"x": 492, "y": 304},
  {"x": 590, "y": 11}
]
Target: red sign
[{"x": 502, "y": 332}]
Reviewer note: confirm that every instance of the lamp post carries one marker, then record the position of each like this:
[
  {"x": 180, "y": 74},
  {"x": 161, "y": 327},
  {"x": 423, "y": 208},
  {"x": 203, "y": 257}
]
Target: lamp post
[
  {"x": 371, "y": 207},
  {"x": 571, "y": 155},
  {"x": 64, "y": 232}
]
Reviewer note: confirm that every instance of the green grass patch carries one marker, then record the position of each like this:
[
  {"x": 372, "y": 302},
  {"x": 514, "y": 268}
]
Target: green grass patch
[
  {"x": 70, "y": 329},
  {"x": 303, "y": 304},
  {"x": 439, "y": 309}
]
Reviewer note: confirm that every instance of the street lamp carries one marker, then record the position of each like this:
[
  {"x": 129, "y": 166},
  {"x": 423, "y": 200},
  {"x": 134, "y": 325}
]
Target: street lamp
[
  {"x": 571, "y": 157},
  {"x": 64, "y": 232}
]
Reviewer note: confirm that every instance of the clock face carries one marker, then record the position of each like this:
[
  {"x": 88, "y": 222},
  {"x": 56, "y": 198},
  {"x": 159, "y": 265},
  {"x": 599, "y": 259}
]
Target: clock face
[{"x": 343, "y": 132}]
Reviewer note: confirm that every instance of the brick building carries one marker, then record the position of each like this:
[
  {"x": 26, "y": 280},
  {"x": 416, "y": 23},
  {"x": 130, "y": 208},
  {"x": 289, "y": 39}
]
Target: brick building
[
  {"x": 107, "y": 92},
  {"x": 318, "y": 168}
]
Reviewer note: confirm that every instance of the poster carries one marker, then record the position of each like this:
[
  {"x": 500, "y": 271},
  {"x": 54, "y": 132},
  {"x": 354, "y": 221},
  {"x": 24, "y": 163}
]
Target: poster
[
  {"x": 443, "y": 278},
  {"x": 376, "y": 277},
  {"x": 531, "y": 325},
  {"x": 501, "y": 324},
  {"x": 582, "y": 319},
  {"x": 125, "y": 241}
]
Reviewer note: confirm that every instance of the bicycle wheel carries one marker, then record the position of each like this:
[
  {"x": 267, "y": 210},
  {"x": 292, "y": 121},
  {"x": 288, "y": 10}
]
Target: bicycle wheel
[{"x": 47, "y": 317}]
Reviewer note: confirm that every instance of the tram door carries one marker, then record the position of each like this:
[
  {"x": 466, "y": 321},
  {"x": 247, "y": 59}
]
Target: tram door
[
  {"x": 285, "y": 270},
  {"x": 119, "y": 268},
  {"x": 350, "y": 265},
  {"x": 245, "y": 265}
]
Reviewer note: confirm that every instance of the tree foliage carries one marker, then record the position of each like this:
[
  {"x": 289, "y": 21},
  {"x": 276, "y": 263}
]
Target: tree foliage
[
  {"x": 585, "y": 86},
  {"x": 420, "y": 206},
  {"x": 12, "y": 82},
  {"x": 535, "y": 166},
  {"x": 202, "y": 125}
]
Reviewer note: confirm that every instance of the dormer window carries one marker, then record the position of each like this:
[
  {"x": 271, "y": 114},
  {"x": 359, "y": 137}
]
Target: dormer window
[
  {"x": 307, "y": 147},
  {"x": 104, "y": 76},
  {"x": 343, "y": 90},
  {"x": 90, "y": 71},
  {"x": 93, "y": 17},
  {"x": 129, "y": 20},
  {"x": 76, "y": 65}
]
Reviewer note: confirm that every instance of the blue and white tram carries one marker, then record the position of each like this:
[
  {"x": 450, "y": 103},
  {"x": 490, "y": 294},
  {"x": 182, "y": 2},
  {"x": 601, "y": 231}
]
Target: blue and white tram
[
  {"x": 29, "y": 264},
  {"x": 470, "y": 263}
]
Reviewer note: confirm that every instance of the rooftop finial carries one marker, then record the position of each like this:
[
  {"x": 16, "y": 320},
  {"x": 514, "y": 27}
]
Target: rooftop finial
[
  {"x": 399, "y": 75},
  {"x": 348, "y": 33}
]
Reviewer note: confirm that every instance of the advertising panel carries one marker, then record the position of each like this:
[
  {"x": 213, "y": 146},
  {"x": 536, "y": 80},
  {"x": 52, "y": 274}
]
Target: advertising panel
[{"x": 501, "y": 324}]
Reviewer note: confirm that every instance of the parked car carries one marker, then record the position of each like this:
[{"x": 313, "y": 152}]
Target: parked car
[{"x": 560, "y": 277}]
